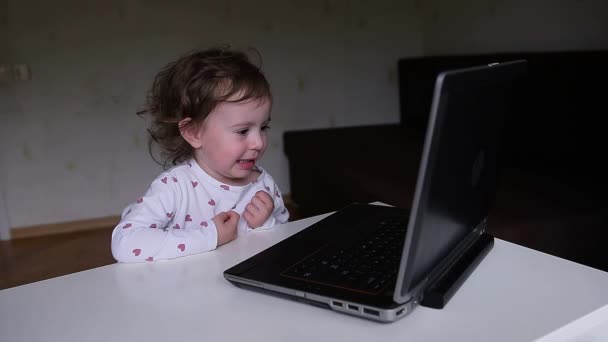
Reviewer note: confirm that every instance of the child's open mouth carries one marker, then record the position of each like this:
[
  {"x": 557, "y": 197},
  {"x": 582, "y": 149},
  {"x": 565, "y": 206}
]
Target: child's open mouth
[{"x": 246, "y": 164}]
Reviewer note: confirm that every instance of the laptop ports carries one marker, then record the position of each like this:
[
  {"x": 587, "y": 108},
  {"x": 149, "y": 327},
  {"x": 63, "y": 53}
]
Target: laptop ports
[{"x": 371, "y": 312}]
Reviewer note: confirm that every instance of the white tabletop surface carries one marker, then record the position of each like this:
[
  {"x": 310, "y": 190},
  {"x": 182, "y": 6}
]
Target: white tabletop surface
[
  {"x": 592, "y": 327},
  {"x": 515, "y": 294}
]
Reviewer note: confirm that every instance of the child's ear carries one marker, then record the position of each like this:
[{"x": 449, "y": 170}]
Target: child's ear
[{"x": 190, "y": 132}]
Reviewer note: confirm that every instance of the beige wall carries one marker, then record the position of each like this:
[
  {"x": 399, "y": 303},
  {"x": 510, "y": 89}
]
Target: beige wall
[
  {"x": 71, "y": 144},
  {"x": 470, "y": 26},
  {"x": 6, "y": 103}
]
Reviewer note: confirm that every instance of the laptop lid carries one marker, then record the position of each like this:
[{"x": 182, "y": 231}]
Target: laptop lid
[{"x": 457, "y": 175}]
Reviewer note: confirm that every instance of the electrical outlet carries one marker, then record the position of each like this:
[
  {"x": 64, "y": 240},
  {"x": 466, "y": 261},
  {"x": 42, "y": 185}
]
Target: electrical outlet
[
  {"x": 21, "y": 72},
  {"x": 6, "y": 73}
]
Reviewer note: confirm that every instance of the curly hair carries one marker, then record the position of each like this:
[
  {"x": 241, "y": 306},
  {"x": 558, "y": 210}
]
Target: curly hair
[{"x": 192, "y": 87}]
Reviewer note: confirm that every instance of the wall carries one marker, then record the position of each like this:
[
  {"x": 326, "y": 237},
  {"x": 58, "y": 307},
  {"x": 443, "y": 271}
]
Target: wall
[
  {"x": 73, "y": 148},
  {"x": 6, "y": 105},
  {"x": 474, "y": 26}
]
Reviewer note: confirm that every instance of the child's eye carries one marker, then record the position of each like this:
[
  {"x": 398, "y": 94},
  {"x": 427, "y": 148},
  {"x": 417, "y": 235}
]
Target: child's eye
[
  {"x": 265, "y": 128},
  {"x": 242, "y": 131}
]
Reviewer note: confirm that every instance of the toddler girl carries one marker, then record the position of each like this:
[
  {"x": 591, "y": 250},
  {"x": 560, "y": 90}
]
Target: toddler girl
[{"x": 211, "y": 114}]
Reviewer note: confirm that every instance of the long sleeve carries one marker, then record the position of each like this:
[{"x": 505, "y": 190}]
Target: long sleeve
[
  {"x": 158, "y": 226},
  {"x": 175, "y": 216},
  {"x": 280, "y": 214}
]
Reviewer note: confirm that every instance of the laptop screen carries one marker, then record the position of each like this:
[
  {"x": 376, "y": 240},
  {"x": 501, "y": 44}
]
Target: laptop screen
[{"x": 458, "y": 170}]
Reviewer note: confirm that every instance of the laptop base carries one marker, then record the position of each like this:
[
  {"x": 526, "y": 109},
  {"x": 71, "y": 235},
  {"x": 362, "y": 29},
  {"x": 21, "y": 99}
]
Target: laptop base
[{"x": 441, "y": 291}]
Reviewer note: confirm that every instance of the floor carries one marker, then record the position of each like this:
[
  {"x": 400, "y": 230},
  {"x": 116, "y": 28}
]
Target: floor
[{"x": 24, "y": 261}]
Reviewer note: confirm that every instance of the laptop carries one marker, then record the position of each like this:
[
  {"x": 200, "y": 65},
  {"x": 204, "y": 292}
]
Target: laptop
[{"x": 380, "y": 262}]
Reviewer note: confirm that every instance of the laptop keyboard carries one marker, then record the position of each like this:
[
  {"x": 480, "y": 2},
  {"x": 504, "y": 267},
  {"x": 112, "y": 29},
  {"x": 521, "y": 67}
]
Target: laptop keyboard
[{"x": 368, "y": 265}]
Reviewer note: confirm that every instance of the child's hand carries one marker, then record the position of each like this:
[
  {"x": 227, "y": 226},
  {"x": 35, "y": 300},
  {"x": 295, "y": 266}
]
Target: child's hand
[
  {"x": 259, "y": 209},
  {"x": 225, "y": 222}
]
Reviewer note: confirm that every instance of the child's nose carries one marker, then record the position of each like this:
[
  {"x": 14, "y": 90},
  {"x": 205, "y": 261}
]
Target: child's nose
[{"x": 256, "y": 142}]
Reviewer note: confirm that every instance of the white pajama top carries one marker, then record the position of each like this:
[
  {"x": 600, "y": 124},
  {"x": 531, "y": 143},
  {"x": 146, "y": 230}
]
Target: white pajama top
[{"x": 174, "y": 217}]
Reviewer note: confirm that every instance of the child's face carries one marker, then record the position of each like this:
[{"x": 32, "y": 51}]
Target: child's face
[{"x": 234, "y": 138}]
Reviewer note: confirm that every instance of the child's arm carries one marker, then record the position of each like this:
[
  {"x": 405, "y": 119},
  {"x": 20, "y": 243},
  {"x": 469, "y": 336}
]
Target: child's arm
[
  {"x": 152, "y": 228},
  {"x": 146, "y": 244},
  {"x": 279, "y": 214}
]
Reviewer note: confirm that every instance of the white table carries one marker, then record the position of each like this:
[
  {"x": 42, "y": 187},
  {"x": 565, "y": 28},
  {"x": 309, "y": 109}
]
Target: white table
[
  {"x": 592, "y": 327},
  {"x": 515, "y": 294}
]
